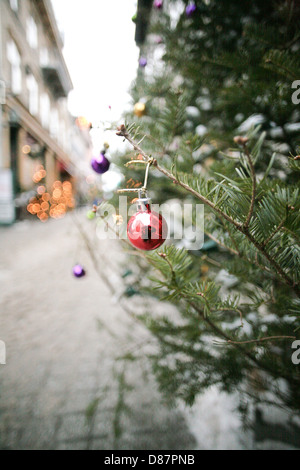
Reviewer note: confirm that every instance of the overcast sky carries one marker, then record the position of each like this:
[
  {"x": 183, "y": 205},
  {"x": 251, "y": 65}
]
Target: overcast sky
[
  {"x": 102, "y": 58},
  {"x": 100, "y": 53}
]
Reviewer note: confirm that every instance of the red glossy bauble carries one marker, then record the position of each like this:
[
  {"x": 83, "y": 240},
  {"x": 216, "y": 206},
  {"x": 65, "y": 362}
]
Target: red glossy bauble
[{"x": 147, "y": 230}]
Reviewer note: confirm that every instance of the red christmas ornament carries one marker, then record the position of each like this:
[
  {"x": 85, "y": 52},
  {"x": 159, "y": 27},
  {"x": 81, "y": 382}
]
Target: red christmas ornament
[{"x": 146, "y": 230}]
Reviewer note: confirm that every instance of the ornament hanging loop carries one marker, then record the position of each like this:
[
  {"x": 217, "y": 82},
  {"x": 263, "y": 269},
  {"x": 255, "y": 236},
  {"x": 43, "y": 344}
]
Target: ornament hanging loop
[
  {"x": 143, "y": 189},
  {"x": 149, "y": 163}
]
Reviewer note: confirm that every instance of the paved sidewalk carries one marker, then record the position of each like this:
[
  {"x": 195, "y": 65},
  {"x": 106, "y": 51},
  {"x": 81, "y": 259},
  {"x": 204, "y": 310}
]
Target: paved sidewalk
[{"x": 62, "y": 386}]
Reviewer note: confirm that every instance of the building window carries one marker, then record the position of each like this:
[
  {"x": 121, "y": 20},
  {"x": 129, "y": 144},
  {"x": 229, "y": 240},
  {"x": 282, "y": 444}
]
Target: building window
[
  {"x": 33, "y": 90},
  {"x": 31, "y": 33},
  {"x": 44, "y": 57},
  {"x": 63, "y": 135},
  {"x": 14, "y": 5},
  {"x": 14, "y": 59},
  {"x": 45, "y": 110},
  {"x": 54, "y": 123}
]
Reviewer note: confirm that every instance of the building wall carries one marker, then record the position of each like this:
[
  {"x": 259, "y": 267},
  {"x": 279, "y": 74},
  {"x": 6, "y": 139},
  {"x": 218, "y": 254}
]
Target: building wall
[{"x": 36, "y": 124}]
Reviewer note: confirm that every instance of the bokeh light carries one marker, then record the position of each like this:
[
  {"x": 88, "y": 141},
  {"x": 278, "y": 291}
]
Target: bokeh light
[
  {"x": 41, "y": 190},
  {"x": 26, "y": 149},
  {"x": 50, "y": 204}
]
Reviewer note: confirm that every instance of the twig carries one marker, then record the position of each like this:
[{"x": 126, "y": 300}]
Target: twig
[
  {"x": 287, "y": 45},
  {"x": 276, "y": 266},
  {"x": 269, "y": 338},
  {"x": 274, "y": 232},
  {"x": 164, "y": 256},
  {"x": 228, "y": 309},
  {"x": 122, "y": 131},
  {"x": 293, "y": 75},
  {"x": 105, "y": 279},
  {"x": 253, "y": 176},
  {"x": 197, "y": 195},
  {"x": 211, "y": 261},
  {"x": 239, "y": 346}
]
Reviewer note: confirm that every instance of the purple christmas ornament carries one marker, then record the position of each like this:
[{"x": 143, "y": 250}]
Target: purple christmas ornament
[
  {"x": 190, "y": 9},
  {"x": 158, "y": 4},
  {"x": 143, "y": 62},
  {"x": 100, "y": 164},
  {"x": 78, "y": 271}
]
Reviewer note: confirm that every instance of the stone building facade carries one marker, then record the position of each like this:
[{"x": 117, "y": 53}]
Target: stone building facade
[{"x": 36, "y": 126}]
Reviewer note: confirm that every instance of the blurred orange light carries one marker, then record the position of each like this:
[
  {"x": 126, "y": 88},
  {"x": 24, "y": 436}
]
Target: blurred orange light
[
  {"x": 71, "y": 203},
  {"x": 45, "y": 206},
  {"x": 57, "y": 193},
  {"x": 29, "y": 208},
  {"x": 44, "y": 217},
  {"x": 41, "y": 190},
  {"x": 82, "y": 122},
  {"x": 26, "y": 149},
  {"x": 36, "y": 178},
  {"x": 36, "y": 208},
  {"x": 46, "y": 197}
]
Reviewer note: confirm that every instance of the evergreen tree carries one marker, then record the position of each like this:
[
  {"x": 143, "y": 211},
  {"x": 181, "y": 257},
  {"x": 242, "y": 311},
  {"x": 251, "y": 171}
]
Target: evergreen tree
[{"x": 221, "y": 129}]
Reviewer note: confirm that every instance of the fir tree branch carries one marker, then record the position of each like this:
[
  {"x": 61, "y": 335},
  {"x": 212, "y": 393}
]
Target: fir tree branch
[
  {"x": 90, "y": 250},
  {"x": 239, "y": 227},
  {"x": 197, "y": 195},
  {"x": 211, "y": 261},
  {"x": 293, "y": 234},
  {"x": 228, "y": 309},
  {"x": 260, "y": 246},
  {"x": 274, "y": 232},
  {"x": 122, "y": 131},
  {"x": 287, "y": 45},
  {"x": 218, "y": 242},
  {"x": 282, "y": 67},
  {"x": 213, "y": 326},
  {"x": 173, "y": 274},
  {"x": 253, "y": 176},
  {"x": 238, "y": 252},
  {"x": 269, "y": 338},
  {"x": 238, "y": 345}
]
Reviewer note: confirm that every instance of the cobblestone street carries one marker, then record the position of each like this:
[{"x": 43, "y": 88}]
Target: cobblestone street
[{"x": 62, "y": 386}]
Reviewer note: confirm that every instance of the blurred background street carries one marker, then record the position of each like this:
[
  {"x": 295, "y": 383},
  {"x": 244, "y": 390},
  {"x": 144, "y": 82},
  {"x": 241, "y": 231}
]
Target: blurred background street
[
  {"x": 63, "y": 386},
  {"x": 78, "y": 373}
]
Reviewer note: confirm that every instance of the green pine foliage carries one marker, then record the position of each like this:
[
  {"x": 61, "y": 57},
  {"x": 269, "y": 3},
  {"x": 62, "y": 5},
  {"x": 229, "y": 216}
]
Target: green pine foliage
[{"x": 227, "y": 71}]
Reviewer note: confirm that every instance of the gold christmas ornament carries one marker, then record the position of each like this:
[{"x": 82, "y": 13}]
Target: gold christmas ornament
[{"x": 139, "y": 109}]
